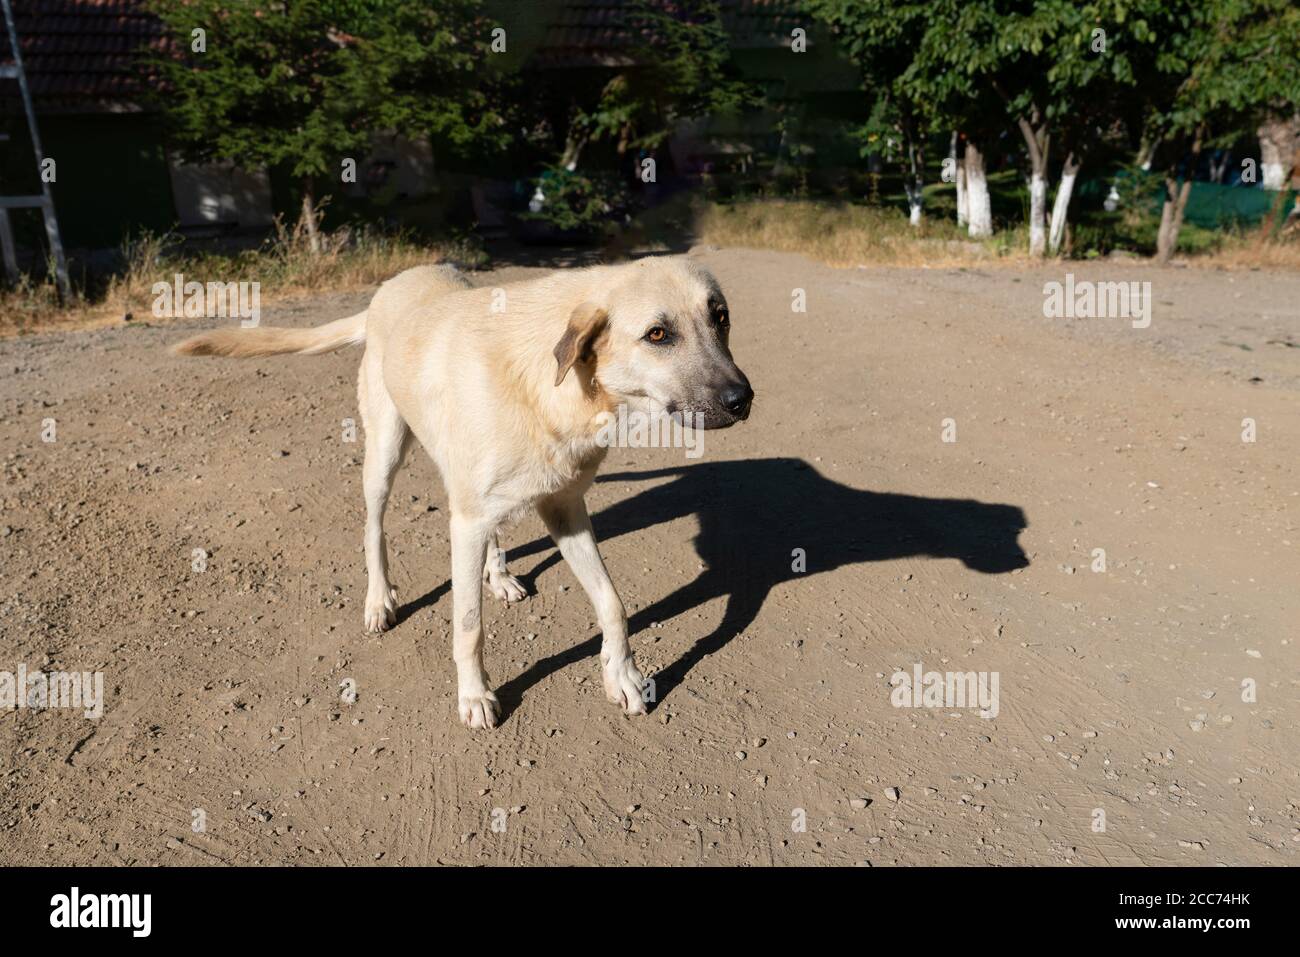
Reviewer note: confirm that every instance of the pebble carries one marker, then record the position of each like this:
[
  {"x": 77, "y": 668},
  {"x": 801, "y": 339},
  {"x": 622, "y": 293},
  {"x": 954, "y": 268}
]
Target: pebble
[
  {"x": 893, "y": 794},
  {"x": 859, "y": 804}
]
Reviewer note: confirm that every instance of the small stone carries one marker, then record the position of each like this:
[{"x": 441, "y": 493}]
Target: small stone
[
  {"x": 859, "y": 804},
  {"x": 893, "y": 794}
]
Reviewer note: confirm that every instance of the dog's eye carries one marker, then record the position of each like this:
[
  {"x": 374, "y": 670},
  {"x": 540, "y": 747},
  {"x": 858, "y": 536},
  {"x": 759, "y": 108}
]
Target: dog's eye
[
  {"x": 723, "y": 319},
  {"x": 656, "y": 334}
]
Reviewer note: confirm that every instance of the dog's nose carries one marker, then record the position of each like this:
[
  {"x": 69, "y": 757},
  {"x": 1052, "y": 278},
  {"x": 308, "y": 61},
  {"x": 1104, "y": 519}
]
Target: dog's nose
[{"x": 736, "y": 398}]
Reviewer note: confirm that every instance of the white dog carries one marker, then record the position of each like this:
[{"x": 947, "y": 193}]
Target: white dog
[{"x": 505, "y": 389}]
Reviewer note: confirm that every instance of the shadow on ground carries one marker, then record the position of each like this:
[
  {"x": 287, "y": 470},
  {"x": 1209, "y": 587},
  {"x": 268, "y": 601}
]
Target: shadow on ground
[{"x": 753, "y": 514}]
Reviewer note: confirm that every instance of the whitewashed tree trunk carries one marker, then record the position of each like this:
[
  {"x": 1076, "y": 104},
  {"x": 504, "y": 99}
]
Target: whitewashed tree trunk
[
  {"x": 1061, "y": 208},
  {"x": 914, "y": 208},
  {"x": 959, "y": 176},
  {"x": 1037, "y": 213},
  {"x": 1272, "y": 175},
  {"x": 1033, "y": 127},
  {"x": 978, "y": 207},
  {"x": 962, "y": 215},
  {"x": 1279, "y": 140},
  {"x": 915, "y": 182}
]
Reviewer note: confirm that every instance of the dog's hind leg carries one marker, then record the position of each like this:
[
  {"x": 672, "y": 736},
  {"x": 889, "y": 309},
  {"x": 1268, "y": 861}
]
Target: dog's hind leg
[
  {"x": 501, "y": 583},
  {"x": 567, "y": 520},
  {"x": 387, "y": 436},
  {"x": 477, "y": 705}
]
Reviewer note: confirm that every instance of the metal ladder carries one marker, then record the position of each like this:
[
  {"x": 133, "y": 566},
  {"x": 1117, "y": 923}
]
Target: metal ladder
[{"x": 45, "y": 201}]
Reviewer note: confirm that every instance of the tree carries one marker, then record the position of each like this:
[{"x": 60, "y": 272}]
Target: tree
[
  {"x": 1226, "y": 65},
  {"x": 880, "y": 38},
  {"x": 301, "y": 86},
  {"x": 1279, "y": 141},
  {"x": 681, "y": 68},
  {"x": 1052, "y": 69}
]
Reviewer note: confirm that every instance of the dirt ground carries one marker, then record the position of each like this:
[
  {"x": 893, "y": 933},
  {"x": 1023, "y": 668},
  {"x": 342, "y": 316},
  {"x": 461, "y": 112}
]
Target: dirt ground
[{"x": 1121, "y": 697}]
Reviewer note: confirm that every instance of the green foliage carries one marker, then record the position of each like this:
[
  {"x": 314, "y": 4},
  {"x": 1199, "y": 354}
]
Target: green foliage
[
  {"x": 578, "y": 202},
  {"x": 681, "y": 68},
  {"x": 299, "y": 86},
  {"x": 1223, "y": 64}
]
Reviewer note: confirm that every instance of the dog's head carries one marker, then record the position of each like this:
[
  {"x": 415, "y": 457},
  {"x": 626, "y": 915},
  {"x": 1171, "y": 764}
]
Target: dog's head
[{"x": 658, "y": 334}]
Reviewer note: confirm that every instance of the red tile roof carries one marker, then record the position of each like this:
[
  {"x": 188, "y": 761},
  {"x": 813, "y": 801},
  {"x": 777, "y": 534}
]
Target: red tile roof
[
  {"x": 596, "y": 32},
  {"x": 82, "y": 54}
]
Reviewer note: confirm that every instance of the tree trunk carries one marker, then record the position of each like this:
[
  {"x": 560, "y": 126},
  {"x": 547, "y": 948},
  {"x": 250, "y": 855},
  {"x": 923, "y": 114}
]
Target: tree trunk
[
  {"x": 959, "y": 178},
  {"x": 1034, "y": 130},
  {"x": 1219, "y": 165},
  {"x": 1171, "y": 214},
  {"x": 978, "y": 207},
  {"x": 1037, "y": 212},
  {"x": 1279, "y": 140},
  {"x": 1147, "y": 152},
  {"x": 308, "y": 221},
  {"x": 573, "y": 145},
  {"x": 912, "y": 185},
  {"x": 1061, "y": 208}
]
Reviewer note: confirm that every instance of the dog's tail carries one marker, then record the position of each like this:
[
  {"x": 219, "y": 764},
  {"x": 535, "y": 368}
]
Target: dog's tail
[{"x": 246, "y": 343}]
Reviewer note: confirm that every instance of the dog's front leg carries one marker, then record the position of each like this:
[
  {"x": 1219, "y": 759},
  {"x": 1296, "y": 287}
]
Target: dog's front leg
[
  {"x": 567, "y": 520},
  {"x": 477, "y": 705}
]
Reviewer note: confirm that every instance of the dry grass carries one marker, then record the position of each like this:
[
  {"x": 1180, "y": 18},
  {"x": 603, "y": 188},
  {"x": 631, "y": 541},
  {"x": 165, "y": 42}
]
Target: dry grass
[
  {"x": 285, "y": 266},
  {"x": 846, "y": 235},
  {"x": 1256, "y": 251}
]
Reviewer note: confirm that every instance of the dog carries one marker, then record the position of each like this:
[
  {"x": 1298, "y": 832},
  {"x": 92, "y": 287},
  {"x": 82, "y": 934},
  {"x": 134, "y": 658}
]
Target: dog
[{"x": 505, "y": 389}]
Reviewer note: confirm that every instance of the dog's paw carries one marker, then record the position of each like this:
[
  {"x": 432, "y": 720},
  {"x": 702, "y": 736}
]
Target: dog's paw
[
  {"x": 624, "y": 685},
  {"x": 479, "y": 710},
  {"x": 507, "y": 588},
  {"x": 381, "y": 612}
]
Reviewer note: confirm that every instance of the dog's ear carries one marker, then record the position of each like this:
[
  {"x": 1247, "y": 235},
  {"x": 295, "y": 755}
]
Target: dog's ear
[{"x": 579, "y": 340}]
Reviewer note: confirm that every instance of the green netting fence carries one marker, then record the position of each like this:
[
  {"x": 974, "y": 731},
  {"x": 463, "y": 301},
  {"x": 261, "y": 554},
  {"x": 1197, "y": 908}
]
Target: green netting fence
[{"x": 1209, "y": 205}]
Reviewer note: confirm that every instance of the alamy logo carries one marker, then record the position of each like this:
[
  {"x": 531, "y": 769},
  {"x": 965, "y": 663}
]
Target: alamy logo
[
  {"x": 213, "y": 300},
  {"x": 39, "y": 690},
  {"x": 1098, "y": 300},
  {"x": 103, "y": 910},
  {"x": 946, "y": 689},
  {"x": 629, "y": 429}
]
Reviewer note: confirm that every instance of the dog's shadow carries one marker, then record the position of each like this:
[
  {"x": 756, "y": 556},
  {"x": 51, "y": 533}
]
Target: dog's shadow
[{"x": 763, "y": 522}]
